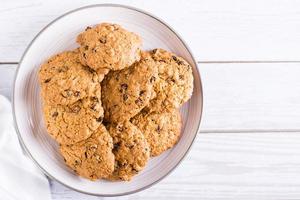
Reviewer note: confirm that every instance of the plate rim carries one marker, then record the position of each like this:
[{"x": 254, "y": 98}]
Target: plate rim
[{"x": 14, "y": 90}]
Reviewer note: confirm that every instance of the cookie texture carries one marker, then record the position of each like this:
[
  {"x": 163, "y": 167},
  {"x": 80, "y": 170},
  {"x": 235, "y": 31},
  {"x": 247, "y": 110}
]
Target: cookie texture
[
  {"x": 93, "y": 157},
  {"x": 69, "y": 124},
  {"x": 131, "y": 151},
  {"x": 110, "y": 105},
  {"x": 161, "y": 129},
  {"x": 108, "y": 46},
  {"x": 64, "y": 80},
  {"x": 175, "y": 80},
  {"x": 126, "y": 92}
]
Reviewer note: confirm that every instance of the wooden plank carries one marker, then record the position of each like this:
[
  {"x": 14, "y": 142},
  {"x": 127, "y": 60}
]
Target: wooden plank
[
  {"x": 239, "y": 97},
  {"x": 216, "y": 30},
  {"x": 251, "y": 97},
  {"x": 7, "y": 73},
  {"x": 227, "y": 166}
]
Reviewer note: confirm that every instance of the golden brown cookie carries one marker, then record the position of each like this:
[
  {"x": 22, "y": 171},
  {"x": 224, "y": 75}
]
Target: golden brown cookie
[
  {"x": 175, "y": 83},
  {"x": 126, "y": 92},
  {"x": 109, "y": 46},
  {"x": 161, "y": 129},
  {"x": 91, "y": 158},
  {"x": 64, "y": 80},
  {"x": 131, "y": 151},
  {"x": 69, "y": 124}
]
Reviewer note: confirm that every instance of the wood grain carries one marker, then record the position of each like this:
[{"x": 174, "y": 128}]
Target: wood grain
[
  {"x": 7, "y": 73},
  {"x": 251, "y": 97},
  {"x": 227, "y": 166},
  {"x": 216, "y": 30},
  {"x": 238, "y": 97}
]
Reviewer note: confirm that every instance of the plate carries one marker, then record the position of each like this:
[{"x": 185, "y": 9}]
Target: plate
[{"x": 60, "y": 35}]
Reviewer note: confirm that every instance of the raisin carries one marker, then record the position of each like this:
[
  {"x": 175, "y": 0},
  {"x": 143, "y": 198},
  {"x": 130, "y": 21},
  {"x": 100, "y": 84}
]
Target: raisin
[
  {"x": 180, "y": 62},
  {"x": 77, "y": 94},
  {"x": 139, "y": 102},
  {"x": 154, "y": 51},
  {"x": 170, "y": 80},
  {"x": 158, "y": 129},
  {"x": 62, "y": 69},
  {"x": 124, "y": 87},
  {"x": 77, "y": 162},
  {"x": 152, "y": 79},
  {"x": 125, "y": 97},
  {"x": 142, "y": 92},
  {"x": 95, "y": 99},
  {"x": 93, "y": 107},
  {"x": 135, "y": 170},
  {"x": 55, "y": 114},
  {"x": 47, "y": 80},
  {"x": 119, "y": 128},
  {"x": 164, "y": 61},
  {"x": 75, "y": 109},
  {"x": 145, "y": 111},
  {"x": 174, "y": 58},
  {"x": 102, "y": 40}
]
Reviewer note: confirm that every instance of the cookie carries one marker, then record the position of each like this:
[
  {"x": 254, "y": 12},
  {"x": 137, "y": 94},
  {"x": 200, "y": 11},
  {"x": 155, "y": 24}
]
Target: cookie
[
  {"x": 131, "y": 151},
  {"x": 91, "y": 158},
  {"x": 126, "y": 92},
  {"x": 69, "y": 124},
  {"x": 109, "y": 46},
  {"x": 161, "y": 129},
  {"x": 64, "y": 80},
  {"x": 175, "y": 80}
]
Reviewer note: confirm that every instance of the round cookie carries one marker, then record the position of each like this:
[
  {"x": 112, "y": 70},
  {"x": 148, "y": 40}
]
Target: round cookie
[
  {"x": 126, "y": 92},
  {"x": 91, "y": 158},
  {"x": 131, "y": 151},
  {"x": 69, "y": 124},
  {"x": 109, "y": 46},
  {"x": 64, "y": 80},
  {"x": 161, "y": 129},
  {"x": 175, "y": 83}
]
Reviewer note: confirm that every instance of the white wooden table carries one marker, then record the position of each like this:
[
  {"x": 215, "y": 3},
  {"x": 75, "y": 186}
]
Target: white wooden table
[{"x": 249, "y": 58}]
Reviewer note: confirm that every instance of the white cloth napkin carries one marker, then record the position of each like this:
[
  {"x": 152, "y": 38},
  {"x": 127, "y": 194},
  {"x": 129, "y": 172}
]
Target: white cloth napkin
[{"x": 20, "y": 179}]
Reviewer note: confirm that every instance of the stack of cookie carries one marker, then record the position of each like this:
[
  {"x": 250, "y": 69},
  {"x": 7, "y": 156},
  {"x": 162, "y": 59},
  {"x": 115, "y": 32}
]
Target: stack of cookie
[{"x": 112, "y": 106}]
